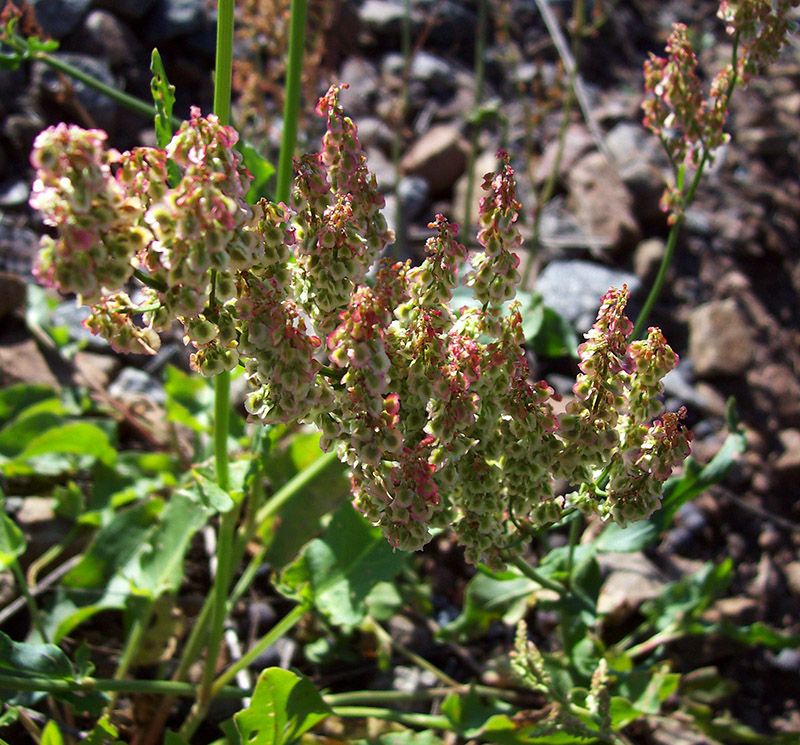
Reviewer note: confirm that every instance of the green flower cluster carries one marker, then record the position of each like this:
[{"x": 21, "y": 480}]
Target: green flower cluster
[{"x": 431, "y": 406}]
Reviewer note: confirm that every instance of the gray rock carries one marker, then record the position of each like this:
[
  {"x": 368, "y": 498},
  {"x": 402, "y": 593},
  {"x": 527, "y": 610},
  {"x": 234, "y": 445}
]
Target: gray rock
[
  {"x": 108, "y": 37},
  {"x": 98, "y": 106},
  {"x": 372, "y": 131},
  {"x": 602, "y": 204},
  {"x": 385, "y": 17},
  {"x": 58, "y": 18},
  {"x": 647, "y": 258},
  {"x": 431, "y": 69},
  {"x": 172, "y": 18},
  {"x": 71, "y": 317},
  {"x": 18, "y": 246},
  {"x": 362, "y": 77},
  {"x": 720, "y": 339},
  {"x": 439, "y": 156},
  {"x": 127, "y": 8},
  {"x": 14, "y": 193},
  {"x": 383, "y": 169},
  {"x": 574, "y": 289},
  {"x": 133, "y": 383},
  {"x": 413, "y": 192},
  {"x": 787, "y": 464}
]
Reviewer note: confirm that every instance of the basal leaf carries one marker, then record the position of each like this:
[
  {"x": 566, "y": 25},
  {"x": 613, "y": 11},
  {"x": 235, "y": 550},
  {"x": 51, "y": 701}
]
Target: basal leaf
[
  {"x": 75, "y": 438},
  {"x": 489, "y": 598},
  {"x": 284, "y": 706},
  {"x": 339, "y": 570},
  {"x": 27, "y": 660}
]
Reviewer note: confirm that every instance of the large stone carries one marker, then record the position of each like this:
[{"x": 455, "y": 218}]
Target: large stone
[
  {"x": 439, "y": 156},
  {"x": 778, "y": 385},
  {"x": 787, "y": 464},
  {"x": 577, "y": 143},
  {"x": 60, "y": 17},
  {"x": 574, "y": 289},
  {"x": 720, "y": 339},
  {"x": 602, "y": 204}
]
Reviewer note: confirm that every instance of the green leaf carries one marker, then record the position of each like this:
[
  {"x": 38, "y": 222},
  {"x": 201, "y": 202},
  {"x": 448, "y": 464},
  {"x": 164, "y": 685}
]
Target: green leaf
[
  {"x": 546, "y": 332},
  {"x": 12, "y": 542},
  {"x": 104, "y": 733},
  {"x": 17, "y": 398},
  {"x": 163, "y": 98},
  {"x": 338, "y": 571},
  {"x": 42, "y": 661},
  {"x": 488, "y": 598},
  {"x": 261, "y": 169},
  {"x": 284, "y": 706},
  {"x": 170, "y": 738},
  {"x": 74, "y": 439},
  {"x": 189, "y": 399},
  {"x": 51, "y": 734}
]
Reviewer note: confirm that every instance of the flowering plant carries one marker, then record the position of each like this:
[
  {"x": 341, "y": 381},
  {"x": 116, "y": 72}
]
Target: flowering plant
[{"x": 431, "y": 406}]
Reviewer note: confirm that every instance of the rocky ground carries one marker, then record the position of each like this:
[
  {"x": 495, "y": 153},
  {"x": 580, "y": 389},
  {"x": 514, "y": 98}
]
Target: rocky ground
[{"x": 730, "y": 307}]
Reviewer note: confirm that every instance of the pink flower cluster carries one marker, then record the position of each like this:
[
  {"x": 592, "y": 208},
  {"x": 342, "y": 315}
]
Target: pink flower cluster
[{"x": 430, "y": 406}]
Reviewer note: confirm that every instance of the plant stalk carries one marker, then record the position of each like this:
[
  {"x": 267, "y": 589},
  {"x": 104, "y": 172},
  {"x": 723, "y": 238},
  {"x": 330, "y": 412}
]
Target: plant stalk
[{"x": 291, "y": 103}]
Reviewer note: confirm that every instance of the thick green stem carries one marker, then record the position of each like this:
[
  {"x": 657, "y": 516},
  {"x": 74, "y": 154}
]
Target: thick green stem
[
  {"x": 291, "y": 106},
  {"x": 12, "y": 682},
  {"x": 222, "y": 383},
  {"x": 422, "y": 721}
]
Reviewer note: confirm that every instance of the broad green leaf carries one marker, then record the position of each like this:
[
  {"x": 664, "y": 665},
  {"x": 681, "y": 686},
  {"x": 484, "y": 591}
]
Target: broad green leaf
[
  {"x": 283, "y": 707},
  {"x": 18, "y": 434},
  {"x": 546, "y": 332},
  {"x": 189, "y": 399},
  {"x": 12, "y": 542},
  {"x": 300, "y": 518},
  {"x": 261, "y": 169},
  {"x": 488, "y": 598},
  {"x": 74, "y": 439},
  {"x": 51, "y": 734},
  {"x": 42, "y": 661},
  {"x": 17, "y": 398},
  {"x": 647, "y": 690},
  {"x": 338, "y": 571},
  {"x": 726, "y": 729},
  {"x": 158, "y": 567},
  {"x": 687, "y": 598}
]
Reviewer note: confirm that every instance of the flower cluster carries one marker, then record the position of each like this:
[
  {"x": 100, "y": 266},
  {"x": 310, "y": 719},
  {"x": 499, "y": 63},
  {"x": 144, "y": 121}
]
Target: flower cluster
[
  {"x": 691, "y": 127},
  {"x": 429, "y": 405}
]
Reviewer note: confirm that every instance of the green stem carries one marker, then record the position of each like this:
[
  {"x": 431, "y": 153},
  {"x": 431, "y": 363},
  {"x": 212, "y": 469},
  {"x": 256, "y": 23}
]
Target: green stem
[
  {"x": 279, "y": 630},
  {"x": 137, "y": 105},
  {"x": 538, "y": 578},
  {"x": 291, "y": 104},
  {"x": 132, "y": 642},
  {"x": 33, "y": 609},
  {"x": 222, "y": 383},
  {"x": 66, "y": 685},
  {"x": 148, "y": 281},
  {"x": 422, "y": 721}
]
